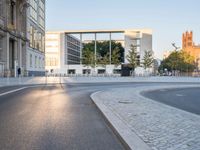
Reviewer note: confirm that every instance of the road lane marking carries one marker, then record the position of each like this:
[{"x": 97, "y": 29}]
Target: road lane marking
[{"x": 9, "y": 92}]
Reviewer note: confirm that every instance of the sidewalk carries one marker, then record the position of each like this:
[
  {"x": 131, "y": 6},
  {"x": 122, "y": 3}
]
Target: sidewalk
[
  {"x": 145, "y": 124},
  {"x": 55, "y": 80},
  {"x": 28, "y": 81}
]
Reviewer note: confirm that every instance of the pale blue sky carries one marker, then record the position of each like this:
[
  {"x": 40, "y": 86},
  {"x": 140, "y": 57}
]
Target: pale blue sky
[{"x": 168, "y": 18}]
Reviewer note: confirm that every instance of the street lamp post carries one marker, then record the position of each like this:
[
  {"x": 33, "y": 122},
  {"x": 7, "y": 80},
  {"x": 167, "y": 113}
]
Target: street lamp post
[{"x": 176, "y": 49}]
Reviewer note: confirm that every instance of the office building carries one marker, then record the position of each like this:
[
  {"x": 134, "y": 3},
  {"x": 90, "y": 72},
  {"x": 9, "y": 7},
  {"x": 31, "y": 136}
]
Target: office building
[
  {"x": 22, "y": 31},
  {"x": 62, "y": 50},
  {"x": 140, "y": 39},
  {"x": 13, "y": 37},
  {"x": 35, "y": 57}
]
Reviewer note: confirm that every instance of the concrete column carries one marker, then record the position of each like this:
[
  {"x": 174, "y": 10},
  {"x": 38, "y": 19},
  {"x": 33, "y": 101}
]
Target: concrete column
[
  {"x": 7, "y": 47},
  {"x": 95, "y": 47},
  {"x": 16, "y": 56},
  {"x": 110, "y": 49},
  {"x": 20, "y": 53},
  {"x": 81, "y": 48}
]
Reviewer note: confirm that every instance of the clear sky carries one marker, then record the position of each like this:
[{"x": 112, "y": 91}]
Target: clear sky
[{"x": 168, "y": 18}]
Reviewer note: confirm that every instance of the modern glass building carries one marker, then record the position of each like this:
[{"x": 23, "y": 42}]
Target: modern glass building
[{"x": 66, "y": 50}]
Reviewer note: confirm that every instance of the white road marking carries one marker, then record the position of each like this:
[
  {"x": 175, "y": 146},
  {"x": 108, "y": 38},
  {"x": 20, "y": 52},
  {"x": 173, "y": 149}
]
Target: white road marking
[{"x": 9, "y": 92}]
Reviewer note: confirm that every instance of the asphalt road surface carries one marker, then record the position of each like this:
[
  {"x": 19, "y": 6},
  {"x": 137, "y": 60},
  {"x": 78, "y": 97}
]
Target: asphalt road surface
[
  {"x": 187, "y": 99},
  {"x": 60, "y": 117}
]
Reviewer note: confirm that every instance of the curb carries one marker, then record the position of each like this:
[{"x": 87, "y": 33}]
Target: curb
[
  {"x": 128, "y": 138},
  {"x": 126, "y": 135}
]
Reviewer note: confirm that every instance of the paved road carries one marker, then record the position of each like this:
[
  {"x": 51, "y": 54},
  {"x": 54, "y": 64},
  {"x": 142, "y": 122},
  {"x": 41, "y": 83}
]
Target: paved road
[
  {"x": 56, "y": 118},
  {"x": 53, "y": 118},
  {"x": 187, "y": 99}
]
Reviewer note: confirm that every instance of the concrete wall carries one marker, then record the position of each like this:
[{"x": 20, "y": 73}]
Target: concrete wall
[
  {"x": 145, "y": 38},
  {"x": 79, "y": 69}
]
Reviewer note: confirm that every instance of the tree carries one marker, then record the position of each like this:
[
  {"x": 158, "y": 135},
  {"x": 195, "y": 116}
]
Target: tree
[
  {"x": 89, "y": 58},
  {"x": 132, "y": 58},
  {"x": 178, "y": 61},
  {"x": 103, "y": 48},
  {"x": 148, "y": 59},
  {"x": 103, "y": 61},
  {"x": 115, "y": 59}
]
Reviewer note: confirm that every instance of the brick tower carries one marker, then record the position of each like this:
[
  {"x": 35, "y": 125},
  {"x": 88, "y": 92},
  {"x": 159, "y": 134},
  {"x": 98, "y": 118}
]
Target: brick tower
[{"x": 187, "y": 40}]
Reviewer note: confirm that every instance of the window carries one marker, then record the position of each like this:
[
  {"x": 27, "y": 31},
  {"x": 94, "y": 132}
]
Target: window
[
  {"x": 71, "y": 71},
  {"x": 35, "y": 61},
  {"x": 43, "y": 63},
  {"x": 1, "y": 48},
  {"x": 39, "y": 62},
  {"x": 12, "y": 12},
  {"x": 33, "y": 10},
  {"x": 41, "y": 14},
  {"x": 35, "y": 39},
  {"x": 101, "y": 71},
  {"x": 31, "y": 60},
  {"x": 117, "y": 71},
  {"x": 31, "y": 31},
  {"x": 86, "y": 71}
]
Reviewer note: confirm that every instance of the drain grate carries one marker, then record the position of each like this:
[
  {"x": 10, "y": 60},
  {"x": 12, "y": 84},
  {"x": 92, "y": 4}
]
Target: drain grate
[{"x": 126, "y": 102}]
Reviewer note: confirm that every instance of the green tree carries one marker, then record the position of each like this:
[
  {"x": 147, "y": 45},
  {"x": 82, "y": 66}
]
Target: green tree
[
  {"x": 103, "y": 48},
  {"x": 148, "y": 59},
  {"x": 88, "y": 58},
  {"x": 178, "y": 61},
  {"x": 103, "y": 61},
  {"x": 115, "y": 59},
  {"x": 132, "y": 58}
]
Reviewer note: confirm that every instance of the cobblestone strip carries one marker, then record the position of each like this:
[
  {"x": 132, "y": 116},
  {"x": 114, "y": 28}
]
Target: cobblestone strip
[{"x": 160, "y": 126}]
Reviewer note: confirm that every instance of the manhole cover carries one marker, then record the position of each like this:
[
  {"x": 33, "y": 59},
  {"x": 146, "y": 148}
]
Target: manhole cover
[{"x": 125, "y": 102}]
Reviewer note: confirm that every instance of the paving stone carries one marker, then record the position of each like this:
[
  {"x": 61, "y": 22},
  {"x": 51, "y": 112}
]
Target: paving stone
[{"x": 160, "y": 126}]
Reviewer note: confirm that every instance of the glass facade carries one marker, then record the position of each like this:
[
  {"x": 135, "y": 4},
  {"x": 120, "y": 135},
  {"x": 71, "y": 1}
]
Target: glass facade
[
  {"x": 41, "y": 14},
  {"x": 37, "y": 15},
  {"x": 72, "y": 53},
  {"x": 36, "y": 39},
  {"x": 33, "y": 10}
]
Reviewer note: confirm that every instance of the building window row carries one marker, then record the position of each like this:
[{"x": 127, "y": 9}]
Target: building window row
[
  {"x": 74, "y": 59},
  {"x": 51, "y": 61},
  {"x": 72, "y": 40},
  {"x": 37, "y": 12},
  {"x": 36, "y": 39},
  {"x": 38, "y": 62},
  {"x": 73, "y": 52},
  {"x": 41, "y": 5},
  {"x": 33, "y": 10},
  {"x": 73, "y": 46}
]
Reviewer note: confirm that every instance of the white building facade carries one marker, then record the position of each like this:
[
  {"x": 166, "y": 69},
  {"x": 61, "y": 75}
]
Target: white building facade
[
  {"x": 56, "y": 50},
  {"x": 62, "y": 51},
  {"x": 35, "y": 56}
]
